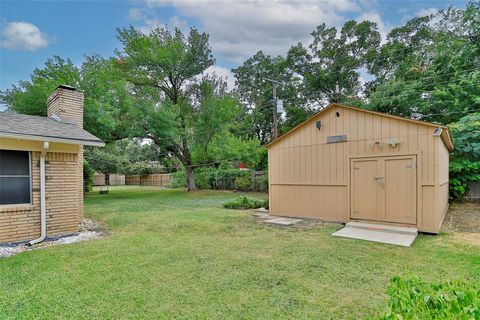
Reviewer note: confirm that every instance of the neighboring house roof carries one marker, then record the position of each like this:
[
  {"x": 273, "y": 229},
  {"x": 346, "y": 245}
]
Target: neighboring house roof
[
  {"x": 445, "y": 135},
  {"x": 26, "y": 127}
]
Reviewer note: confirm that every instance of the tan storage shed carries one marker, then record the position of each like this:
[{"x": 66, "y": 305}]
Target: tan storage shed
[{"x": 348, "y": 164}]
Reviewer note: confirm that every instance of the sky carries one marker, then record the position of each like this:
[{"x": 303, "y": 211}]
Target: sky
[{"x": 32, "y": 31}]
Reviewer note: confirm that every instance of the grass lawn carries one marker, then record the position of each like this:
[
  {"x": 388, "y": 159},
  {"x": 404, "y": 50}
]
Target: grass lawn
[{"x": 173, "y": 254}]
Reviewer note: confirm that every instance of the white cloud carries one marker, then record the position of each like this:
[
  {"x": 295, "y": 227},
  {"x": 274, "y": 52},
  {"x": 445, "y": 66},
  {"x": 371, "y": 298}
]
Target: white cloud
[
  {"x": 238, "y": 29},
  {"x": 225, "y": 73},
  {"x": 135, "y": 14},
  {"x": 23, "y": 36},
  {"x": 426, "y": 12}
]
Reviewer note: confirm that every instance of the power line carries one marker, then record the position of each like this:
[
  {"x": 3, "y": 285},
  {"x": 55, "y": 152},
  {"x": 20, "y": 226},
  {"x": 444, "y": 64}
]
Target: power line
[{"x": 252, "y": 153}]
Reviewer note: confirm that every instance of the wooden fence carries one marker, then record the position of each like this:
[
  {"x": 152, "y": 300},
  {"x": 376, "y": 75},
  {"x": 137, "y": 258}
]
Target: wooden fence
[
  {"x": 473, "y": 191},
  {"x": 158, "y": 179},
  {"x": 114, "y": 179}
]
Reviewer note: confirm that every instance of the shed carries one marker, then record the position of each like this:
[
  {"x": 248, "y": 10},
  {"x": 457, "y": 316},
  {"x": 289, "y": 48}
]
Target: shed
[
  {"x": 348, "y": 164},
  {"x": 41, "y": 169}
]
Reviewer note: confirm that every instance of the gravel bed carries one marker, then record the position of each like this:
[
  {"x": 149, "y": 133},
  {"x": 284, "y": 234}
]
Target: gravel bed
[{"x": 89, "y": 230}]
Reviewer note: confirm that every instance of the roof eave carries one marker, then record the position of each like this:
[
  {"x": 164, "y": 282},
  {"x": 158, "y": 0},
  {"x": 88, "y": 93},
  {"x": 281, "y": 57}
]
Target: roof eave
[
  {"x": 96, "y": 143},
  {"x": 445, "y": 137}
]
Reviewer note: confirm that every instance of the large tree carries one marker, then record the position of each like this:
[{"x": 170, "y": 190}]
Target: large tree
[
  {"x": 109, "y": 104},
  {"x": 187, "y": 110},
  {"x": 335, "y": 58},
  {"x": 255, "y": 80},
  {"x": 429, "y": 67}
]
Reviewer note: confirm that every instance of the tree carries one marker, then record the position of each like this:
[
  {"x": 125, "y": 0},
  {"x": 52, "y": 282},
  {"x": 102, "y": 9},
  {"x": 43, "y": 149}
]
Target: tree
[
  {"x": 109, "y": 106},
  {"x": 465, "y": 160},
  {"x": 30, "y": 97},
  {"x": 428, "y": 68},
  {"x": 188, "y": 110},
  {"x": 255, "y": 91},
  {"x": 335, "y": 59}
]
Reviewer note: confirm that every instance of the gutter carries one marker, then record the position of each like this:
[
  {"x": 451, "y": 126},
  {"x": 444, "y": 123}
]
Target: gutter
[
  {"x": 43, "y": 211},
  {"x": 13, "y": 135}
]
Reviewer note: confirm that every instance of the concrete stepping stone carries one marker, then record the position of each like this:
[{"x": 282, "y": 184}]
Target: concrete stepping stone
[{"x": 283, "y": 221}]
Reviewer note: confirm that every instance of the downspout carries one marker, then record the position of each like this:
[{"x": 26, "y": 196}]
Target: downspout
[{"x": 43, "y": 211}]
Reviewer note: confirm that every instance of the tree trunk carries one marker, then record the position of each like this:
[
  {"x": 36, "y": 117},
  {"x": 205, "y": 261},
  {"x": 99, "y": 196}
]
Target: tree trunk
[{"x": 190, "y": 179}]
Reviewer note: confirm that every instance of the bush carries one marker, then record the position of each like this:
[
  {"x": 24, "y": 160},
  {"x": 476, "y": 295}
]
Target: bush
[
  {"x": 465, "y": 159},
  {"x": 88, "y": 174},
  {"x": 243, "y": 203},
  {"x": 178, "y": 180},
  {"x": 243, "y": 183},
  {"x": 222, "y": 178},
  {"x": 415, "y": 299}
]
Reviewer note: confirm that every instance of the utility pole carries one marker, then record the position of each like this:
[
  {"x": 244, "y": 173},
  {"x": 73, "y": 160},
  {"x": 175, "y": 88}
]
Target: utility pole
[
  {"x": 275, "y": 116},
  {"x": 275, "y": 121},
  {"x": 337, "y": 93}
]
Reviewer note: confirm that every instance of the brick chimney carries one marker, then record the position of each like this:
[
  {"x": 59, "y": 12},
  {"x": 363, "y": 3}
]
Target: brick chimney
[{"x": 66, "y": 102}]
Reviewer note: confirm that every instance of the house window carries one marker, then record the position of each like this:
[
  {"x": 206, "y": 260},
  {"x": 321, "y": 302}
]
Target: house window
[{"x": 15, "y": 177}]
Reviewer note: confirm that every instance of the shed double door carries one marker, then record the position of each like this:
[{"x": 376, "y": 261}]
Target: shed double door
[{"x": 384, "y": 189}]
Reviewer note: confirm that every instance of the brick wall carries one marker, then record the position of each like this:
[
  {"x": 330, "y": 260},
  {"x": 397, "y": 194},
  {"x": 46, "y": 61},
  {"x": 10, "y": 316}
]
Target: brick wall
[{"x": 64, "y": 201}]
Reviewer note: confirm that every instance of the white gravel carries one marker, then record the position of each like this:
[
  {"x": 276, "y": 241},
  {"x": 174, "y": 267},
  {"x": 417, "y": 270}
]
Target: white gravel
[{"x": 7, "y": 251}]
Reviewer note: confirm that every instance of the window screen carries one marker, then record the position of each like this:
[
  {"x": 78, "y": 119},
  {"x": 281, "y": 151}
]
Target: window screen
[{"x": 14, "y": 177}]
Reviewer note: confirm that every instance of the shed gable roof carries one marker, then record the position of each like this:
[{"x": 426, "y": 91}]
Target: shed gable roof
[
  {"x": 445, "y": 133},
  {"x": 27, "y": 127}
]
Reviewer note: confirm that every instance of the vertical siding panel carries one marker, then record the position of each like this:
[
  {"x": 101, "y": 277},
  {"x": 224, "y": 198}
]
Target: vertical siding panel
[
  {"x": 412, "y": 137},
  {"x": 432, "y": 160},
  {"x": 332, "y": 150},
  {"x": 354, "y": 121},
  {"x": 369, "y": 133},
  {"x": 403, "y": 136},
  {"x": 385, "y": 123},
  {"x": 342, "y": 148},
  {"x": 361, "y": 137},
  {"x": 423, "y": 146},
  {"x": 394, "y": 134}
]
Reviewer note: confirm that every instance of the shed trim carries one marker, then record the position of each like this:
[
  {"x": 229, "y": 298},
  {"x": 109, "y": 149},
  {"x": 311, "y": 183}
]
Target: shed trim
[{"x": 445, "y": 136}]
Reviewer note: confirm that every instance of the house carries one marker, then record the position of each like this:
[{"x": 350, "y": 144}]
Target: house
[
  {"x": 41, "y": 169},
  {"x": 347, "y": 164}
]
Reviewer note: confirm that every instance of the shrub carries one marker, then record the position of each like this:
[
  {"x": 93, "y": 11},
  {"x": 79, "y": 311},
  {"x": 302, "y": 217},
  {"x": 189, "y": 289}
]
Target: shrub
[
  {"x": 465, "y": 159},
  {"x": 178, "y": 180},
  {"x": 415, "y": 299},
  {"x": 88, "y": 174},
  {"x": 243, "y": 203},
  {"x": 243, "y": 183}
]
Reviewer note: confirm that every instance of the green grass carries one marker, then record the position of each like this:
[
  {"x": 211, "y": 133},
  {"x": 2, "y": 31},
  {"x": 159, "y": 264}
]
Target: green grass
[{"x": 173, "y": 254}]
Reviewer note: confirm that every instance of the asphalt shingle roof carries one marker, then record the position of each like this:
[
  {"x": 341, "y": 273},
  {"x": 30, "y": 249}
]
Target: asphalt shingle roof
[{"x": 14, "y": 125}]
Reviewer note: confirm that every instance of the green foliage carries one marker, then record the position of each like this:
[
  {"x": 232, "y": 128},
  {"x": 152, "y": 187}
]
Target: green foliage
[
  {"x": 243, "y": 183},
  {"x": 30, "y": 97},
  {"x": 178, "y": 180},
  {"x": 88, "y": 174},
  {"x": 244, "y": 203},
  {"x": 462, "y": 171},
  {"x": 465, "y": 160},
  {"x": 189, "y": 110},
  {"x": 415, "y": 299},
  {"x": 428, "y": 68},
  {"x": 143, "y": 168},
  {"x": 109, "y": 106},
  {"x": 224, "y": 177}
]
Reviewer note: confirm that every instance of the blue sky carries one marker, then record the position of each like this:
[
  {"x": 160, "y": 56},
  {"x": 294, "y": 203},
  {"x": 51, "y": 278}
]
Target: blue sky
[{"x": 31, "y": 31}]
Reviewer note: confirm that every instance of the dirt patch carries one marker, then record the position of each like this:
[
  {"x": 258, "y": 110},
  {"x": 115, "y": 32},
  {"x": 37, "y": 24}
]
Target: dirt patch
[{"x": 462, "y": 217}]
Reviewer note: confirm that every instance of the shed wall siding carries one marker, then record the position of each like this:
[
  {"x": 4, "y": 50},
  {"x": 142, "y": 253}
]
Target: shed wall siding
[
  {"x": 63, "y": 199},
  {"x": 304, "y": 164}
]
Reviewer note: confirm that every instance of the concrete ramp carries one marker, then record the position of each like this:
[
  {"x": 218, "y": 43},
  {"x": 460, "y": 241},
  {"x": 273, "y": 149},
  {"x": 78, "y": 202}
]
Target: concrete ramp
[{"x": 401, "y": 236}]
